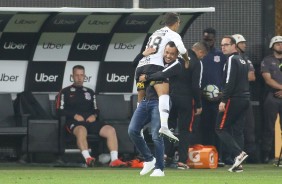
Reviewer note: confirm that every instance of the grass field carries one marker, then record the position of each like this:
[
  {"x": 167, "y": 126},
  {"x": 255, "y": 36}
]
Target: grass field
[{"x": 26, "y": 174}]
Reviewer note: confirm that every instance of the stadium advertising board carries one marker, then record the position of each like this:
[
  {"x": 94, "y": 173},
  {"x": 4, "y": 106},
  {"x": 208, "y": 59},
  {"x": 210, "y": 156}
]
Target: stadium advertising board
[
  {"x": 45, "y": 76},
  {"x": 53, "y": 47},
  {"x": 91, "y": 72},
  {"x": 116, "y": 77},
  {"x": 4, "y": 18},
  {"x": 88, "y": 47},
  {"x": 125, "y": 46},
  {"x": 12, "y": 76}
]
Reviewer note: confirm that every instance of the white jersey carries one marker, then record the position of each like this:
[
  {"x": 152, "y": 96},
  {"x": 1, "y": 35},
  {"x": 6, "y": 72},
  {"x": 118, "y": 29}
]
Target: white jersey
[{"x": 158, "y": 40}]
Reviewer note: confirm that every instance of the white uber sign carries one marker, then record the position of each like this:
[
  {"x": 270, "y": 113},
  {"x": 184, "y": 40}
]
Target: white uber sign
[
  {"x": 91, "y": 72},
  {"x": 12, "y": 76}
]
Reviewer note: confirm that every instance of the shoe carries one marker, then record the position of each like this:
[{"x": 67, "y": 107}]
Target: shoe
[
  {"x": 117, "y": 163},
  {"x": 182, "y": 166},
  {"x": 167, "y": 133},
  {"x": 239, "y": 159},
  {"x": 90, "y": 161},
  {"x": 148, "y": 166},
  {"x": 236, "y": 169},
  {"x": 157, "y": 173},
  {"x": 220, "y": 164}
]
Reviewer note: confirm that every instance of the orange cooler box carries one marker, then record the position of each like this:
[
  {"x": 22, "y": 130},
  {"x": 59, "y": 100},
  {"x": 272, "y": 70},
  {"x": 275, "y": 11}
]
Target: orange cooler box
[{"x": 202, "y": 157}]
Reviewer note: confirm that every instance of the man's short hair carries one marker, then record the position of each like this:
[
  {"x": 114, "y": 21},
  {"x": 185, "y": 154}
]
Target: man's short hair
[
  {"x": 209, "y": 30},
  {"x": 77, "y": 67},
  {"x": 232, "y": 40},
  {"x": 171, "y": 44},
  {"x": 171, "y": 18},
  {"x": 201, "y": 46}
]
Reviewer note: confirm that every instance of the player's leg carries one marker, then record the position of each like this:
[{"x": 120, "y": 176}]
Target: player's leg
[
  {"x": 80, "y": 132},
  {"x": 109, "y": 133},
  {"x": 162, "y": 90}
]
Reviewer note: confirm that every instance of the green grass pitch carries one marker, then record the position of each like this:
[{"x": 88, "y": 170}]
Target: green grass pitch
[{"x": 27, "y": 174}]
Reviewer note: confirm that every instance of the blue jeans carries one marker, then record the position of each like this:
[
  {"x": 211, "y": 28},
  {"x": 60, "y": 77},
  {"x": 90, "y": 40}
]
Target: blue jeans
[{"x": 146, "y": 112}]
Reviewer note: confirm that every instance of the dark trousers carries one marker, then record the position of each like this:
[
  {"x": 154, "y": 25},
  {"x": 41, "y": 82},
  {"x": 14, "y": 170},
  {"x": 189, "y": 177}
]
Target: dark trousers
[
  {"x": 249, "y": 132},
  {"x": 232, "y": 119},
  {"x": 182, "y": 112},
  {"x": 272, "y": 107},
  {"x": 207, "y": 125}
]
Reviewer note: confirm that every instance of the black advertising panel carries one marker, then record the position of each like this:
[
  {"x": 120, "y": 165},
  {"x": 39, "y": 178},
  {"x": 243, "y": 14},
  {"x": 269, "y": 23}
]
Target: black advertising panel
[
  {"x": 116, "y": 77},
  {"x": 136, "y": 23},
  {"x": 88, "y": 47},
  {"x": 45, "y": 76},
  {"x": 64, "y": 23},
  {"x": 4, "y": 18},
  {"x": 17, "y": 46}
]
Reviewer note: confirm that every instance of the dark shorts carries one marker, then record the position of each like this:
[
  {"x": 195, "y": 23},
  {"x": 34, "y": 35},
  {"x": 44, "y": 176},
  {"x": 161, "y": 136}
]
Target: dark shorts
[{"x": 92, "y": 128}]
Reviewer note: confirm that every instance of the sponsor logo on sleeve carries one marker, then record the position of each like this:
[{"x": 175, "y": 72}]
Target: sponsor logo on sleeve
[
  {"x": 12, "y": 79},
  {"x": 125, "y": 46}
]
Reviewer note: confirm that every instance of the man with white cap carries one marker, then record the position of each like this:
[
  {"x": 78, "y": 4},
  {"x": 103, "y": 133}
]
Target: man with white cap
[
  {"x": 249, "y": 126},
  {"x": 271, "y": 68}
]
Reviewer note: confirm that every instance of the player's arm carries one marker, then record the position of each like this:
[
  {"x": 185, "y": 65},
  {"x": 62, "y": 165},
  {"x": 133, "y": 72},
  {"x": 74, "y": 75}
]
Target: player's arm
[
  {"x": 196, "y": 83},
  {"x": 269, "y": 81},
  {"x": 145, "y": 53},
  {"x": 231, "y": 66},
  {"x": 61, "y": 106},
  {"x": 172, "y": 70}
]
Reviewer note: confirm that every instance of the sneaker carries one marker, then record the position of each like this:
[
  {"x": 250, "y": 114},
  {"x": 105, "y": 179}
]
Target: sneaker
[
  {"x": 148, "y": 166},
  {"x": 167, "y": 133},
  {"x": 182, "y": 166},
  {"x": 157, "y": 173},
  {"x": 90, "y": 161},
  {"x": 117, "y": 163},
  {"x": 239, "y": 159},
  {"x": 236, "y": 169}
]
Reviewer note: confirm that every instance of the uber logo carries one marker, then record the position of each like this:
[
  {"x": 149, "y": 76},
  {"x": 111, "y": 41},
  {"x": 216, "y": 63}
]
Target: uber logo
[
  {"x": 124, "y": 46},
  {"x": 97, "y": 22},
  {"x": 136, "y": 22},
  {"x": 116, "y": 78},
  {"x": 86, "y": 79},
  {"x": 12, "y": 45},
  {"x": 51, "y": 45},
  {"x": 85, "y": 46},
  {"x": 45, "y": 78},
  {"x": 5, "y": 78},
  {"x": 63, "y": 21},
  {"x": 22, "y": 21}
]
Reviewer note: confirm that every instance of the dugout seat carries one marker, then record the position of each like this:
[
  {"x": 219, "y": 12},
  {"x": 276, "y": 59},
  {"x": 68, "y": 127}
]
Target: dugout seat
[
  {"x": 13, "y": 128},
  {"x": 115, "y": 111}
]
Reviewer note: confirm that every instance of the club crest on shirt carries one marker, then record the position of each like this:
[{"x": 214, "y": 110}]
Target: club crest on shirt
[
  {"x": 216, "y": 59},
  {"x": 87, "y": 96}
]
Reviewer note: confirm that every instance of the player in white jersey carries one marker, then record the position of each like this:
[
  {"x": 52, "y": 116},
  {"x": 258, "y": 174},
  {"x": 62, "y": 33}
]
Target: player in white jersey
[{"x": 154, "y": 62}]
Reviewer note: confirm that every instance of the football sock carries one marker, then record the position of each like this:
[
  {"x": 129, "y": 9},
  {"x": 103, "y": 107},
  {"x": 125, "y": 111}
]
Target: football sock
[
  {"x": 85, "y": 154},
  {"x": 164, "y": 109},
  {"x": 114, "y": 155}
]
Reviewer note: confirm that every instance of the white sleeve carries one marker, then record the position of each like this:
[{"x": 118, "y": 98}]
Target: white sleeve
[{"x": 179, "y": 43}]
